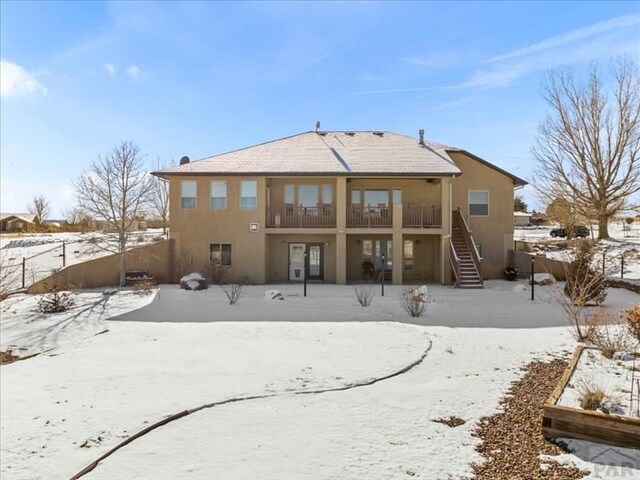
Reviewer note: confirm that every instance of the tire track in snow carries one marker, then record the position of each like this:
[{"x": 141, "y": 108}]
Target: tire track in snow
[{"x": 184, "y": 413}]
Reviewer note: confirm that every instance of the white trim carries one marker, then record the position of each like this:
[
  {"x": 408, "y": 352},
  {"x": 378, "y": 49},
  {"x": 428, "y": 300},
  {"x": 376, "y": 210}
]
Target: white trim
[
  {"x": 226, "y": 194},
  {"x": 195, "y": 182},
  {"x": 469, "y": 203},
  {"x": 240, "y": 207}
]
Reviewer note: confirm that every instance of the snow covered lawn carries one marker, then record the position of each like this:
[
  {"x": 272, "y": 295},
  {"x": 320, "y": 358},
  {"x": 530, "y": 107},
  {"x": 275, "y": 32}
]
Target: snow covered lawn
[{"x": 62, "y": 409}]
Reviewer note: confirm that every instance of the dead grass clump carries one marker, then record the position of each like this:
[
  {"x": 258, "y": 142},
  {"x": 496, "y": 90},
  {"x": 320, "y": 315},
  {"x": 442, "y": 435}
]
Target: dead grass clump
[
  {"x": 451, "y": 421},
  {"x": 603, "y": 331},
  {"x": 8, "y": 357},
  {"x": 414, "y": 300},
  {"x": 591, "y": 396},
  {"x": 632, "y": 316},
  {"x": 364, "y": 294},
  {"x": 144, "y": 287}
]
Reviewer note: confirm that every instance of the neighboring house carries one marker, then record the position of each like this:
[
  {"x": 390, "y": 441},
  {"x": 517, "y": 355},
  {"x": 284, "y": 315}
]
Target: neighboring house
[
  {"x": 17, "y": 222},
  {"x": 343, "y": 206},
  {"x": 521, "y": 219}
]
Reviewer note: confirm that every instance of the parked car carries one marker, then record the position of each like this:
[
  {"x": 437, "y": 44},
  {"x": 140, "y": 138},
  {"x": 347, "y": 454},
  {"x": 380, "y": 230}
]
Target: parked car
[{"x": 577, "y": 231}]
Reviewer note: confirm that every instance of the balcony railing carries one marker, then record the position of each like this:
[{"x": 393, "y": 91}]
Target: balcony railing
[
  {"x": 359, "y": 216},
  {"x": 290, "y": 216},
  {"x": 422, "y": 216}
]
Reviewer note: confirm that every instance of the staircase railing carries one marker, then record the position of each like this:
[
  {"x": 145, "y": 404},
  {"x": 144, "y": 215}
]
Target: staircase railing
[
  {"x": 455, "y": 262},
  {"x": 468, "y": 238}
]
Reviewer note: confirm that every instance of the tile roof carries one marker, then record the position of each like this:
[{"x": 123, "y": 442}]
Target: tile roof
[
  {"x": 27, "y": 217},
  {"x": 329, "y": 152}
]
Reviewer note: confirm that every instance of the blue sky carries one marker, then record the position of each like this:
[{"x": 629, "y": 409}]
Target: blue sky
[{"x": 201, "y": 78}]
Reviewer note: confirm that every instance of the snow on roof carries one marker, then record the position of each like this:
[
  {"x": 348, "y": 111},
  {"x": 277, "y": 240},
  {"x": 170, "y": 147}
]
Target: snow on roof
[
  {"x": 27, "y": 217},
  {"x": 330, "y": 152}
]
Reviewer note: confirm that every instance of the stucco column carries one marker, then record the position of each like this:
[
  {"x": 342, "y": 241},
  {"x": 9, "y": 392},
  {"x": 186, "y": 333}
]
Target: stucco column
[
  {"x": 445, "y": 264},
  {"x": 398, "y": 247},
  {"x": 341, "y": 229}
]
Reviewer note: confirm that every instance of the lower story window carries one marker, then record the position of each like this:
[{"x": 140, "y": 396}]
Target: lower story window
[{"x": 220, "y": 253}]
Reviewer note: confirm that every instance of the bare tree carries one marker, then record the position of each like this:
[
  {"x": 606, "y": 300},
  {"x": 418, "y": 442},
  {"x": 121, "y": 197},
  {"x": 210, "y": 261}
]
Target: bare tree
[
  {"x": 40, "y": 207},
  {"x": 115, "y": 189},
  {"x": 160, "y": 199},
  {"x": 9, "y": 275},
  {"x": 587, "y": 149}
]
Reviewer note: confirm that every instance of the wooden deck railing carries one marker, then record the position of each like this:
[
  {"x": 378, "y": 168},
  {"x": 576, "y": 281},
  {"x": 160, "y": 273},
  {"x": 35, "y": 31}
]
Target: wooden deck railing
[
  {"x": 301, "y": 217},
  {"x": 358, "y": 216},
  {"x": 422, "y": 216}
]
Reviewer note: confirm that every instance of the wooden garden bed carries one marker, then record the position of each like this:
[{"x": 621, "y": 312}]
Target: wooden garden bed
[{"x": 562, "y": 421}]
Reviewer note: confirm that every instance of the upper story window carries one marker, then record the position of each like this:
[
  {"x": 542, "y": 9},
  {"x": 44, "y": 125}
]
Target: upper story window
[
  {"x": 248, "y": 195},
  {"x": 218, "y": 199},
  {"x": 478, "y": 203},
  {"x": 289, "y": 194},
  {"x": 188, "y": 194},
  {"x": 376, "y": 198},
  {"x": 327, "y": 194},
  {"x": 308, "y": 195},
  {"x": 356, "y": 198}
]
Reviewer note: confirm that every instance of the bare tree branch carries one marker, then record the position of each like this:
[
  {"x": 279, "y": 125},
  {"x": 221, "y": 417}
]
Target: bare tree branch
[
  {"x": 116, "y": 190},
  {"x": 40, "y": 207},
  {"x": 588, "y": 147}
]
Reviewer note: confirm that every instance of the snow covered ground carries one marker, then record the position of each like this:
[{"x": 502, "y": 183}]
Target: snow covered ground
[
  {"x": 623, "y": 242},
  {"x": 62, "y": 409},
  {"x": 43, "y": 251}
]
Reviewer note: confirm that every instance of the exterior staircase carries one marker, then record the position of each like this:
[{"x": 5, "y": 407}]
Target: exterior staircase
[{"x": 464, "y": 255}]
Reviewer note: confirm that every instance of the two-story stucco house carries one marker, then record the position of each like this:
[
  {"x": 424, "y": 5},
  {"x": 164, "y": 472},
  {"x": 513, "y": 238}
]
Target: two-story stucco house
[{"x": 340, "y": 206}]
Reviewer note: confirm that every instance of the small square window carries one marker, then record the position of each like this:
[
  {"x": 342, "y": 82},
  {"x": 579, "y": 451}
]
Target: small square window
[
  {"x": 220, "y": 253},
  {"x": 478, "y": 203}
]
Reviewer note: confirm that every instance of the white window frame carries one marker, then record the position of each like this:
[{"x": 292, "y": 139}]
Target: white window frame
[
  {"x": 211, "y": 197},
  {"x": 255, "y": 207},
  {"x": 182, "y": 196},
  {"x": 406, "y": 267},
  {"x": 469, "y": 203}
]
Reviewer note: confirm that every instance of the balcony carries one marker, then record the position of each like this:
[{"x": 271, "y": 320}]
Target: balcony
[
  {"x": 290, "y": 216},
  {"x": 369, "y": 217},
  {"x": 422, "y": 216}
]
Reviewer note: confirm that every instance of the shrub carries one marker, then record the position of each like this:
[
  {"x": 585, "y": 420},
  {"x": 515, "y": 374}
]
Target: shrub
[
  {"x": 603, "y": 332},
  {"x": 55, "y": 301},
  {"x": 364, "y": 294},
  {"x": 413, "y": 300},
  {"x": 590, "y": 396},
  {"x": 585, "y": 285},
  {"x": 632, "y": 315},
  {"x": 217, "y": 273},
  {"x": 233, "y": 291},
  {"x": 144, "y": 287},
  {"x": 511, "y": 273}
]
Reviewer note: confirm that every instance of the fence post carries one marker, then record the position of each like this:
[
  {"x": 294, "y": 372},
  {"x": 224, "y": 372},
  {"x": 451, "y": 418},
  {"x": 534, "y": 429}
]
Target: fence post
[
  {"x": 604, "y": 259},
  {"x": 382, "y": 272},
  {"x": 622, "y": 266},
  {"x": 305, "y": 273},
  {"x": 64, "y": 253},
  {"x": 533, "y": 271},
  {"x": 24, "y": 270}
]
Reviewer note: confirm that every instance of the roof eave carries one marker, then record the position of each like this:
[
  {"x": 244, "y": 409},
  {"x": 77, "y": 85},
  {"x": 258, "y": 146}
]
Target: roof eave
[{"x": 517, "y": 181}]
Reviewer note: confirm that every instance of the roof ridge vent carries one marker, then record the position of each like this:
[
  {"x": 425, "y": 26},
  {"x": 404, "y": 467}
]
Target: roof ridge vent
[
  {"x": 351, "y": 134},
  {"x": 379, "y": 134}
]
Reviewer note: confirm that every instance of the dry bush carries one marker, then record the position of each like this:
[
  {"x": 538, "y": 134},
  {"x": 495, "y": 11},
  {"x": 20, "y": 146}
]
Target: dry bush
[
  {"x": 364, "y": 293},
  {"x": 233, "y": 291},
  {"x": 217, "y": 273},
  {"x": 413, "y": 301},
  {"x": 10, "y": 272},
  {"x": 632, "y": 316},
  {"x": 590, "y": 396},
  {"x": 603, "y": 331},
  {"x": 585, "y": 284},
  {"x": 55, "y": 301},
  {"x": 144, "y": 287}
]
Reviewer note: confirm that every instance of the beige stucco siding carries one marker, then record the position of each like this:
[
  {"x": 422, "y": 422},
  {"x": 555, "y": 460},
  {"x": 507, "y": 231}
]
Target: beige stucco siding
[
  {"x": 194, "y": 229},
  {"x": 495, "y": 231}
]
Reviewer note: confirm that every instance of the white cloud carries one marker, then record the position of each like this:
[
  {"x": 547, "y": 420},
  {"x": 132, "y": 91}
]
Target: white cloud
[
  {"x": 110, "y": 68},
  {"x": 15, "y": 81},
  {"x": 134, "y": 72}
]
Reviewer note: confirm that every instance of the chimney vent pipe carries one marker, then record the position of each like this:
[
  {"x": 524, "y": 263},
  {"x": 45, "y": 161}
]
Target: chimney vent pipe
[{"x": 421, "y": 133}]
